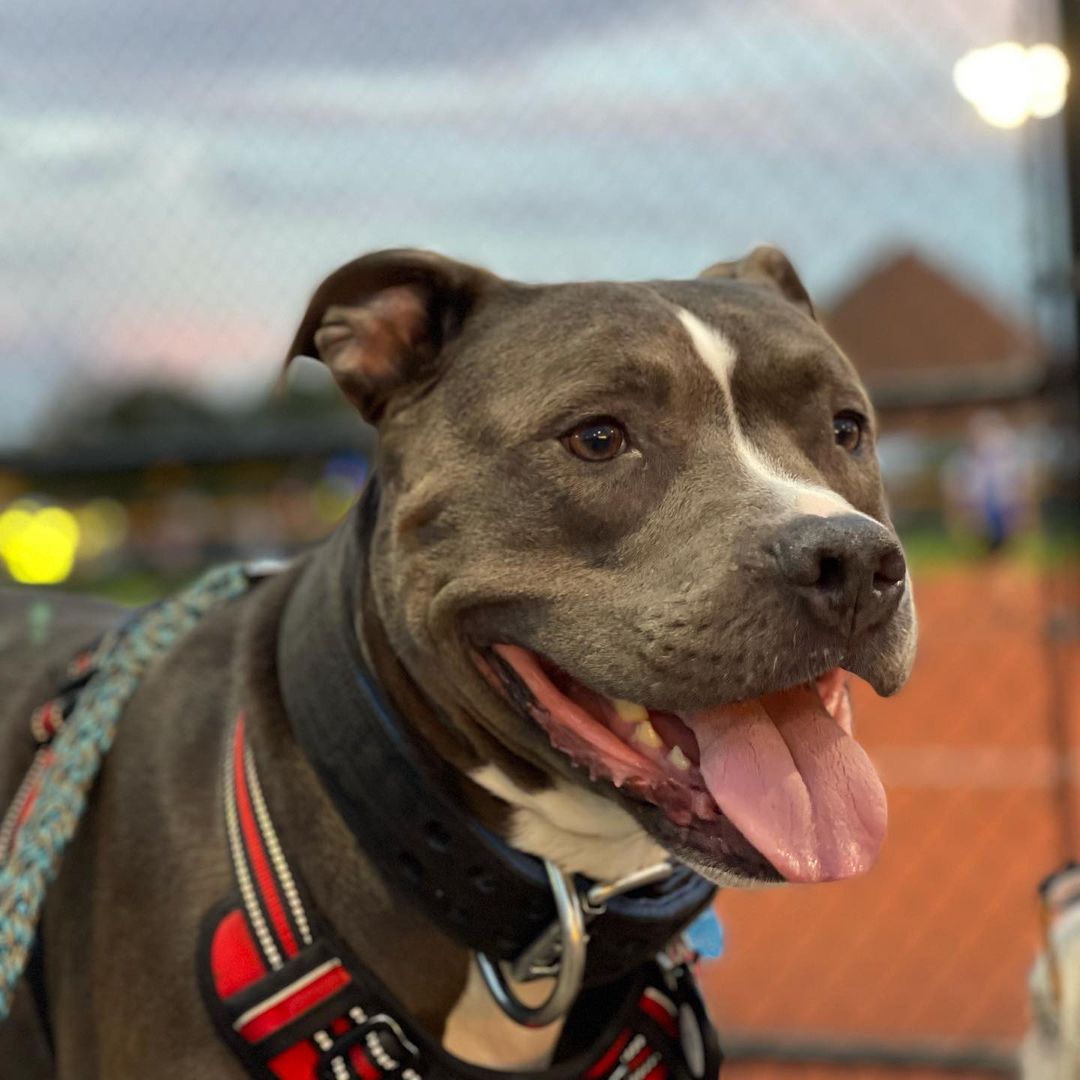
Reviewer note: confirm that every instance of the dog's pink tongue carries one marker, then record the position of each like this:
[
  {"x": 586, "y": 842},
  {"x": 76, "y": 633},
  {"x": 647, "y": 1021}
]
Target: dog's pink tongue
[{"x": 794, "y": 783}]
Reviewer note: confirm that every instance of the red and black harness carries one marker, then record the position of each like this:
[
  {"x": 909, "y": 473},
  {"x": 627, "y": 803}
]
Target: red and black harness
[{"x": 295, "y": 1004}]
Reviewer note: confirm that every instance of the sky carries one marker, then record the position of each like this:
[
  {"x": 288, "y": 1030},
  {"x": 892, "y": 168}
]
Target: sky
[{"x": 177, "y": 175}]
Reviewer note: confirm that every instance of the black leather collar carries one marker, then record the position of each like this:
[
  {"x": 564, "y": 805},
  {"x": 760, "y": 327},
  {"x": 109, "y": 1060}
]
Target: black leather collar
[{"x": 399, "y": 798}]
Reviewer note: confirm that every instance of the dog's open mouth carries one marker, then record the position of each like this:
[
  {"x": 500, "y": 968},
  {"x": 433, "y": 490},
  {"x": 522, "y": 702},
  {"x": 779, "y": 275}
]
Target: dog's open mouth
[{"x": 782, "y": 772}]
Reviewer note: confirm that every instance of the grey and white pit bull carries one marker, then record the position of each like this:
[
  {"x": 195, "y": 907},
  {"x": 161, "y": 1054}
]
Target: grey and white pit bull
[{"x": 629, "y": 541}]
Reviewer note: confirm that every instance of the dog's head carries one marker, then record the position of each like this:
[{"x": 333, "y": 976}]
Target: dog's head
[{"x": 631, "y": 538}]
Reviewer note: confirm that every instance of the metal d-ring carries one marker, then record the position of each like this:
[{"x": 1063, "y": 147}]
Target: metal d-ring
[{"x": 571, "y": 968}]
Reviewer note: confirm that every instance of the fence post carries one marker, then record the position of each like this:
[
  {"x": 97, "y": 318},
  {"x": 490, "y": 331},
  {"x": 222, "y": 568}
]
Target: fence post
[
  {"x": 1069, "y": 14},
  {"x": 1062, "y": 616}
]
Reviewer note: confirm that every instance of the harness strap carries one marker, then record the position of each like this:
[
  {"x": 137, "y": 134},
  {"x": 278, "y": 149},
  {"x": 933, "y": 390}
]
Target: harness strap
[
  {"x": 294, "y": 1003},
  {"x": 291, "y": 1005},
  {"x": 266, "y": 884}
]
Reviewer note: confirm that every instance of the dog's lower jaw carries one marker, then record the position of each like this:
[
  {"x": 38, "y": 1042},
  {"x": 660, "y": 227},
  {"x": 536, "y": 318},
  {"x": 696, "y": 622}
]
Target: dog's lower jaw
[{"x": 579, "y": 831}]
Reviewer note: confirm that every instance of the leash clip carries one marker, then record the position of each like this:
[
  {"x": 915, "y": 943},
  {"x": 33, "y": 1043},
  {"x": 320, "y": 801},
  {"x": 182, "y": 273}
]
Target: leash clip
[{"x": 559, "y": 951}]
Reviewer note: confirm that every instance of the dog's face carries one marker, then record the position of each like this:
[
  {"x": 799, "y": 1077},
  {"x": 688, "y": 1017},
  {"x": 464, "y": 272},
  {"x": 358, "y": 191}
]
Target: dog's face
[{"x": 636, "y": 534}]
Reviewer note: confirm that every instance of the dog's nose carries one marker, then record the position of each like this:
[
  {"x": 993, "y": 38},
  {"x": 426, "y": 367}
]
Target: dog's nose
[{"x": 848, "y": 569}]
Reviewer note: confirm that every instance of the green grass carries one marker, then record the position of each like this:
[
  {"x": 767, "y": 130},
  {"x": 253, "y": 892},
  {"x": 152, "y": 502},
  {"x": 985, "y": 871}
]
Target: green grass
[{"x": 933, "y": 549}]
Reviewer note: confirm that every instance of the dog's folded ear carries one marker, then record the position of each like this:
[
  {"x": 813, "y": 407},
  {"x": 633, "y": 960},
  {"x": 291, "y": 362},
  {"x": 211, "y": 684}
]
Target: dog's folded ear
[
  {"x": 766, "y": 266},
  {"x": 381, "y": 321}
]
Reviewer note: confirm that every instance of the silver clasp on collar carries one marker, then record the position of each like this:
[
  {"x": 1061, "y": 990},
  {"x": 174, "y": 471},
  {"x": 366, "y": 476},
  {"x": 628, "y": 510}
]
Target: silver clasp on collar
[{"x": 559, "y": 951}]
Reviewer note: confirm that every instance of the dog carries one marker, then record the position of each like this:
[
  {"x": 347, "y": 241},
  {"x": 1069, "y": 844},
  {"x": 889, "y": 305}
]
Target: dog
[{"x": 623, "y": 544}]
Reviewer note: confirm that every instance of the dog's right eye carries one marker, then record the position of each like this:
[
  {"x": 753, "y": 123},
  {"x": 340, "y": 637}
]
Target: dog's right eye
[
  {"x": 600, "y": 439},
  {"x": 848, "y": 430}
]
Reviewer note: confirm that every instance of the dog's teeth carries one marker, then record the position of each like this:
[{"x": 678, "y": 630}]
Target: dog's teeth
[
  {"x": 647, "y": 735},
  {"x": 678, "y": 758},
  {"x": 630, "y": 711}
]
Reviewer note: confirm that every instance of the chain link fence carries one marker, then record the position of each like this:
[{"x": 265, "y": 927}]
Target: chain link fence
[{"x": 177, "y": 176}]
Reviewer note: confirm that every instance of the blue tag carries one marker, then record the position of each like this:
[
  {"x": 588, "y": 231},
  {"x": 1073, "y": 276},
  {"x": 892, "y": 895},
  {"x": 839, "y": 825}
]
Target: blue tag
[{"x": 705, "y": 935}]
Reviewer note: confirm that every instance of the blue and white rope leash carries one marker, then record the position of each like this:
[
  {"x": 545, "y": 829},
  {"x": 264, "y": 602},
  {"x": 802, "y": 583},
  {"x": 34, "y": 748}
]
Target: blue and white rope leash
[{"x": 76, "y": 752}]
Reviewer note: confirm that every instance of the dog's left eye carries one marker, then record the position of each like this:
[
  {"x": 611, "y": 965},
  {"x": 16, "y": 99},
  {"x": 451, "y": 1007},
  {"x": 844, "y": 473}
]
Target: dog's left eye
[
  {"x": 600, "y": 439},
  {"x": 848, "y": 429}
]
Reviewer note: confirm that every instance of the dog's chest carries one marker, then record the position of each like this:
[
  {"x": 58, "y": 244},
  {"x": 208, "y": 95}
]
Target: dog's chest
[{"x": 479, "y": 1032}]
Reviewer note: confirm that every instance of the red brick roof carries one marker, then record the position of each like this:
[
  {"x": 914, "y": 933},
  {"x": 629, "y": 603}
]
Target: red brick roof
[{"x": 907, "y": 317}]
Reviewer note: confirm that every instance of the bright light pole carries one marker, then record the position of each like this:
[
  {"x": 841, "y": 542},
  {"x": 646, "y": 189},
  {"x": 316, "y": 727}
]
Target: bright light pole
[{"x": 1009, "y": 83}]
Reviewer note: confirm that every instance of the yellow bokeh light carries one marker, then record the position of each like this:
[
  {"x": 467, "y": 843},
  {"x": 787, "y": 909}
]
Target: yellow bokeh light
[
  {"x": 1009, "y": 84},
  {"x": 38, "y": 544}
]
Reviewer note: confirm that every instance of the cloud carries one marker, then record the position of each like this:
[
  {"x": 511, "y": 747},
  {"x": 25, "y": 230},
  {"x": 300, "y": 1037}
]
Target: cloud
[
  {"x": 58, "y": 47},
  {"x": 177, "y": 345}
]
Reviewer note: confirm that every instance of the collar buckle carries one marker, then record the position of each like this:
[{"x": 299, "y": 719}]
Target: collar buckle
[{"x": 559, "y": 951}]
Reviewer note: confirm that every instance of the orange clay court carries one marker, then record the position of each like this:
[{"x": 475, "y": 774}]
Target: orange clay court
[{"x": 933, "y": 945}]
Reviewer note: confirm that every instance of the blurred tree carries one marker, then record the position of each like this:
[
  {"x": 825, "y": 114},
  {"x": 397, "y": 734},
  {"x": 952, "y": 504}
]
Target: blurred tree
[{"x": 169, "y": 416}]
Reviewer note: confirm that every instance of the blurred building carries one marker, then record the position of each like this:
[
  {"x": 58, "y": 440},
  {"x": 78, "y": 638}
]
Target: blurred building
[
  {"x": 917, "y": 334},
  {"x": 151, "y": 483},
  {"x": 934, "y": 354}
]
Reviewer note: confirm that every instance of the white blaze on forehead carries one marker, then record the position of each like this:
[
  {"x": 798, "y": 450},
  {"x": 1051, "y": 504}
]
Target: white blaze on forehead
[
  {"x": 719, "y": 356},
  {"x": 715, "y": 349}
]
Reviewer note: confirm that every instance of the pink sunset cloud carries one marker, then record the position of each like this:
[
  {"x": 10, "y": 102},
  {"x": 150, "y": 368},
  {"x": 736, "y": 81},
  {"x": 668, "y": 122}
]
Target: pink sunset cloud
[{"x": 200, "y": 346}]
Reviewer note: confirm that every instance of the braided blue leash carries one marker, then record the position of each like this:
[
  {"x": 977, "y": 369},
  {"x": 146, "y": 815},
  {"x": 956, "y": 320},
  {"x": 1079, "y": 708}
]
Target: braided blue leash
[{"x": 119, "y": 663}]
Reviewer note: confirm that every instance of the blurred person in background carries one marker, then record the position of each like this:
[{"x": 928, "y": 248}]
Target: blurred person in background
[{"x": 989, "y": 484}]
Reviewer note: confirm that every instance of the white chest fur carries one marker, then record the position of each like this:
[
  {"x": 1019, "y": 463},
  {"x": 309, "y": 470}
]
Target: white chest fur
[{"x": 579, "y": 831}]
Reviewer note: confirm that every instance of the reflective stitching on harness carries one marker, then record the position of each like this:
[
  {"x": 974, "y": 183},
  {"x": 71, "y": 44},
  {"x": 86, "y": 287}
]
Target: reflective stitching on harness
[
  {"x": 273, "y": 847},
  {"x": 631, "y": 1051},
  {"x": 378, "y": 1052},
  {"x": 243, "y": 877},
  {"x": 281, "y": 995},
  {"x": 645, "y": 1068},
  {"x": 662, "y": 1000}
]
